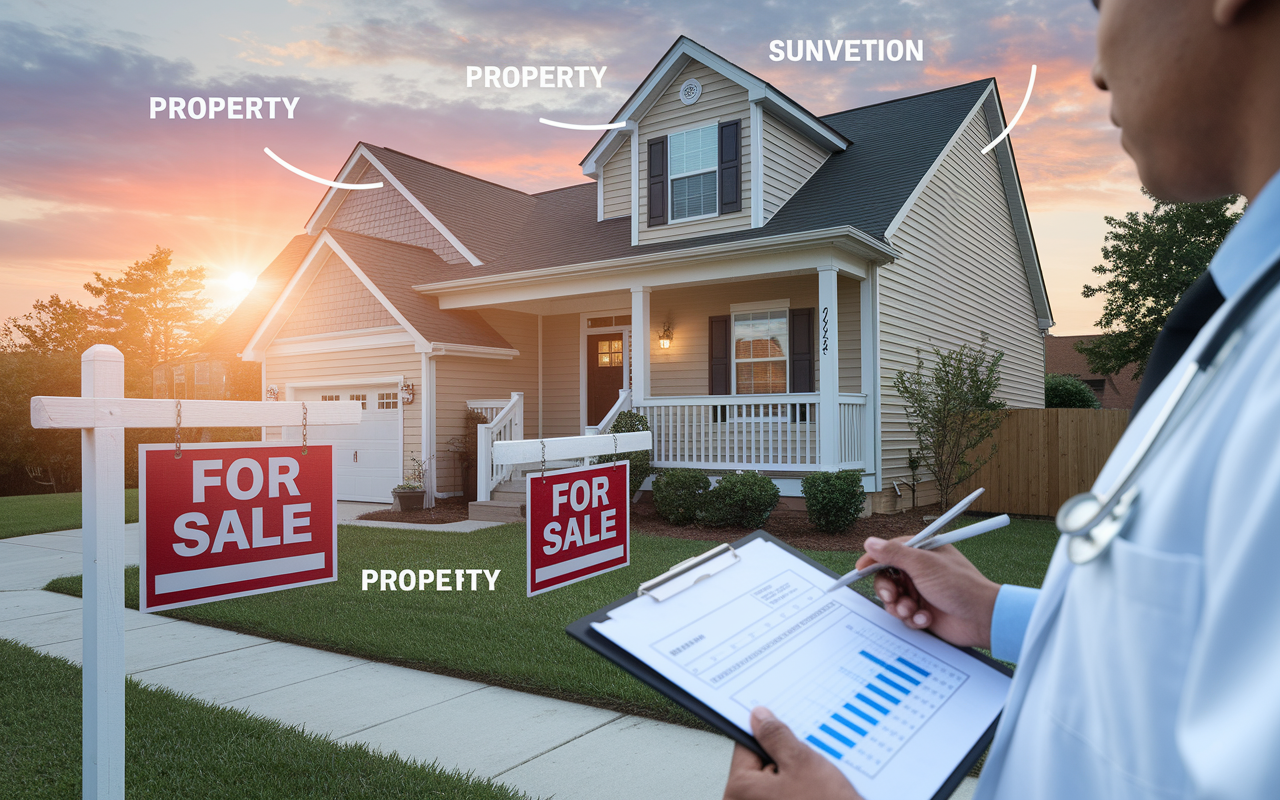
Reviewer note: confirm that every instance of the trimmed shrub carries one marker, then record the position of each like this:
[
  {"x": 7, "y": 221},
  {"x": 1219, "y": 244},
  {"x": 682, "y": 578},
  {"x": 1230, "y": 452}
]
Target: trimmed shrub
[
  {"x": 680, "y": 494},
  {"x": 641, "y": 460},
  {"x": 834, "y": 499},
  {"x": 1068, "y": 391},
  {"x": 745, "y": 499}
]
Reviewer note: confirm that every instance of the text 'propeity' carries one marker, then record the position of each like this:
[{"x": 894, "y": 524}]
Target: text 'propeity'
[{"x": 442, "y": 580}]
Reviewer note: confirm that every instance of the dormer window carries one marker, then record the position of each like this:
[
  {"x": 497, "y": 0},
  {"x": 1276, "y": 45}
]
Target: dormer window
[
  {"x": 694, "y": 157},
  {"x": 695, "y": 174}
]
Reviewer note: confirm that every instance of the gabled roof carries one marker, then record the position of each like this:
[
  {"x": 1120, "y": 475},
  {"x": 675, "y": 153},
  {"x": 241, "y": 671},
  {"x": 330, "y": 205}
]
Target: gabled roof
[
  {"x": 893, "y": 145},
  {"x": 394, "y": 269},
  {"x": 482, "y": 214},
  {"x": 671, "y": 64},
  {"x": 234, "y": 333}
]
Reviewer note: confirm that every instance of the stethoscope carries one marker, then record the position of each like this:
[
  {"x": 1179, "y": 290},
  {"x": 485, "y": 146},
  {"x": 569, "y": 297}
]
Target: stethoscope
[{"x": 1092, "y": 521}]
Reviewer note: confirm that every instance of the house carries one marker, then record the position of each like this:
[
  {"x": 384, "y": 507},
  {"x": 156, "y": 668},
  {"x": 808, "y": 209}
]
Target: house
[
  {"x": 1118, "y": 390},
  {"x": 748, "y": 275}
]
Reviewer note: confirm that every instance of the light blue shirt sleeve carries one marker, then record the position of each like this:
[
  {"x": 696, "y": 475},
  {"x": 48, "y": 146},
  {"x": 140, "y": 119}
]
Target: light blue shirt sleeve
[{"x": 1009, "y": 620}]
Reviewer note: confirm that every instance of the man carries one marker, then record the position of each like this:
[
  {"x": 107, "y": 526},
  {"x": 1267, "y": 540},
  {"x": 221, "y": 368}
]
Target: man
[{"x": 1151, "y": 670}]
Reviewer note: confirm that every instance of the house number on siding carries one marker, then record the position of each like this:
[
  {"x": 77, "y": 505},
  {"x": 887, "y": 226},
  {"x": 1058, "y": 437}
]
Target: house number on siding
[{"x": 825, "y": 341}]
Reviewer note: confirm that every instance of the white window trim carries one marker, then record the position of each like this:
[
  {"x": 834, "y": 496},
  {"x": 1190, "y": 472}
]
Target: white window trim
[
  {"x": 671, "y": 177},
  {"x": 743, "y": 308}
]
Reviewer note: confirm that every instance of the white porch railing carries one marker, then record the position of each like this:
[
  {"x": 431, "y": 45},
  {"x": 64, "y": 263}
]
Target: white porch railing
[
  {"x": 776, "y": 432},
  {"x": 623, "y": 404},
  {"x": 506, "y": 423}
]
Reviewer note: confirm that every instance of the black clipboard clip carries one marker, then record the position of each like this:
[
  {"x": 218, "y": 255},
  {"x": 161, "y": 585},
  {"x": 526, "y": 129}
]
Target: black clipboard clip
[{"x": 688, "y": 572}]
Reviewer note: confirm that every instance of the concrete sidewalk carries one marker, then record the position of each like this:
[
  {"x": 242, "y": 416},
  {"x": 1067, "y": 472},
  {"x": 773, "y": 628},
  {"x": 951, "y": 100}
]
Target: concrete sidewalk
[{"x": 541, "y": 746}]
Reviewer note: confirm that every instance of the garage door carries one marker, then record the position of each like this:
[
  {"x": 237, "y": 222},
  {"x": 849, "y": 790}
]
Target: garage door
[{"x": 366, "y": 456}]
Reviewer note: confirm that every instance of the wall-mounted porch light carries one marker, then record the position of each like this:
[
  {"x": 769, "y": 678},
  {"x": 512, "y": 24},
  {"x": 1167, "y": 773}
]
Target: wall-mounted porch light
[
  {"x": 273, "y": 393},
  {"x": 664, "y": 338},
  {"x": 406, "y": 393}
]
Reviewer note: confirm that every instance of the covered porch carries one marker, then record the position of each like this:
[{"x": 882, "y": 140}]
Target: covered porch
[{"x": 766, "y": 373}]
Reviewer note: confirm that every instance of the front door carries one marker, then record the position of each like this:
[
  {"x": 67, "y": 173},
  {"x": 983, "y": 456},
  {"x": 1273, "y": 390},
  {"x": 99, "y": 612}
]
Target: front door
[{"x": 605, "y": 371}]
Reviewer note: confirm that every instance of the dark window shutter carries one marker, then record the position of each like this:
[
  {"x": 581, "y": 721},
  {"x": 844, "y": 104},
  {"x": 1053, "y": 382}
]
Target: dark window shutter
[
  {"x": 730, "y": 166},
  {"x": 658, "y": 181},
  {"x": 718, "y": 361},
  {"x": 801, "y": 335}
]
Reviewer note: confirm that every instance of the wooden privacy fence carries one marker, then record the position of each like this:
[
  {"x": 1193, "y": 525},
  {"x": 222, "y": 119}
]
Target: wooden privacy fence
[{"x": 1045, "y": 456}]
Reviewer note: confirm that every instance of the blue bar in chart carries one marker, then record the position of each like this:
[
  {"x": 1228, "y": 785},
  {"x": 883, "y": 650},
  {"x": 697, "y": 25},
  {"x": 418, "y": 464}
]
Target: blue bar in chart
[
  {"x": 848, "y": 725},
  {"x": 899, "y": 687},
  {"x": 891, "y": 668},
  {"x": 839, "y": 737},
  {"x": 821, "y": 745},
  {"x": 862, "y": 714},
  {"x": 884, "y": 694},
  {"x": 902, "y": 660},
  {"x": 872, "y": 703}
]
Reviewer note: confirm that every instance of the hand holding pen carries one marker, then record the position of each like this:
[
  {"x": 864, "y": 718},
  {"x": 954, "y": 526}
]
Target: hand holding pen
[{"x": 936, "y": 588}]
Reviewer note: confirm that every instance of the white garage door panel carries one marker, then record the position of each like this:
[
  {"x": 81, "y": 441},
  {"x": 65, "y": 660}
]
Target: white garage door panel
[{"x": 366, "y": 457}]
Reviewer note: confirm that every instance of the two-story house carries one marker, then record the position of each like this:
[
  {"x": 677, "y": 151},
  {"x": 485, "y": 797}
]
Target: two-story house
[{"x": 748, "y": 275}]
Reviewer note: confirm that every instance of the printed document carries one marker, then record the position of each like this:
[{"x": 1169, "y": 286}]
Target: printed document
[{"x": 895, "y": 709}]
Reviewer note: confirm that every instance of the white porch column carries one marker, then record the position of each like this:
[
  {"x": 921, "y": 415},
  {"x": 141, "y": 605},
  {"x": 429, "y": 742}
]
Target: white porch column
[
  {"x": 102, "y": 523},
  {"x": 870, "y": 319},
  {"x": 828, "y": 367},
  {"x": 640, "y": 334}
]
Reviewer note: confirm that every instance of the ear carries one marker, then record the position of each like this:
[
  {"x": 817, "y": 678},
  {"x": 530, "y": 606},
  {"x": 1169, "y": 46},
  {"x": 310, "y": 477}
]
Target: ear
[{"x": 1227, "y": 12}]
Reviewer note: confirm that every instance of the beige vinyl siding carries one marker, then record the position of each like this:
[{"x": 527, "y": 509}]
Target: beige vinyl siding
[
  {"x": 681, "y": 370},
  {"x": 386, "y": 214},
  {"x": 561, "y": 369},
  {"x": 849, "y": 300},
  {"x": 617, "y": 182},
  {"x": 335, "y": 301},
  {"x": 960, "y": 275},
  {"x": 789, "y": 160},
  {"x": 460, "y": 379},
  {"x": 722, "y": 100},
  {"x": 348, "y": 366}
]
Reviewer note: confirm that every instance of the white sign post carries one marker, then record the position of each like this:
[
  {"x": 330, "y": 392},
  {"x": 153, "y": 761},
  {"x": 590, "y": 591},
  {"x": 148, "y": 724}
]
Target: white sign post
[{"x": 102, "y": 413}]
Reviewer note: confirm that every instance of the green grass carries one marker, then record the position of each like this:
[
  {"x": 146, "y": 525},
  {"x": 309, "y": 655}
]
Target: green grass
[
  {"x": 503, "y": 637},
  {"x": 41, "y": 513},
  {"x": 179, "y": 747}
]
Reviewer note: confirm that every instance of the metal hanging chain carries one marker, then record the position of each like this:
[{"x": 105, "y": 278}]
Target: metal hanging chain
[
  {"x": 615, "y": 448},
  {"x": 544, "y": 458},
  {"x": 304, "y": 429},
  {"x": 177, "y": 431}
]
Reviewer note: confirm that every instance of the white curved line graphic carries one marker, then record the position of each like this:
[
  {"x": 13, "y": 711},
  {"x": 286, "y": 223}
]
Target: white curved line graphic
[
  {"x": 311, "y": 177},
  {"x": 1017, "y": 116},
  {"x": 608, "y": 126}
]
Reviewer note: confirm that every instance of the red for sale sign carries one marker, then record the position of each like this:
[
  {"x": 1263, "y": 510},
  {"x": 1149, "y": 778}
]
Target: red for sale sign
[
  {"x": 579, "y": 524},
  {"x": 233, "y": 519}
]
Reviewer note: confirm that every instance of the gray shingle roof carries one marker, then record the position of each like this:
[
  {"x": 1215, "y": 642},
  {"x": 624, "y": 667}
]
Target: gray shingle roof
[
  {"x": 893, "y": 145},
  {"x": 394, "y": 268}
]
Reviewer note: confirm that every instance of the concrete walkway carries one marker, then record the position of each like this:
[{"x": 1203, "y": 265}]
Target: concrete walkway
[{"x": 541, "y": 746}]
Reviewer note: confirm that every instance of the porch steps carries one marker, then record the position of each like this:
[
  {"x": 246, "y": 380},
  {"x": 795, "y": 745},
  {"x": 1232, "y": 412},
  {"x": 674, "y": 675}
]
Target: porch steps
[{"x": 506, "y": 505}]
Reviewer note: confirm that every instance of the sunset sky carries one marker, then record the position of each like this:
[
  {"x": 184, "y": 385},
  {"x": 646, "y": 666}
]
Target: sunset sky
[{"x": 88, "y": 182}]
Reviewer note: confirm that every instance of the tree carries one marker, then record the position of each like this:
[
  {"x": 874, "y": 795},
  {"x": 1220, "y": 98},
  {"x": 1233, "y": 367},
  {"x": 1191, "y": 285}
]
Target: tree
[
  {"x": 952, "y": 408},
  {"x": 51, "y": 326},
  {"x": 152, "y": 311},
  {"x": 1152, "y": 259},
  {"x": 1068, "y": 391}
]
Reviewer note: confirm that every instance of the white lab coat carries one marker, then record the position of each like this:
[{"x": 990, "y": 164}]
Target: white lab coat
[{"x": 1154, "y": 671}]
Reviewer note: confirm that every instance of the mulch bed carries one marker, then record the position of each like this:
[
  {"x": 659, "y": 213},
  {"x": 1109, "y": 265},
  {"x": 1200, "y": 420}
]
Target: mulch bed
[
  {"x": 791, "y": 527},
  {"x": 448, "y": 509}
]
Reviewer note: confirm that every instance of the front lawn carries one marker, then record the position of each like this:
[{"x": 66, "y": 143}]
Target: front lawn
[
  {"x": 41, "y": 513},
  {"x": 180, "y": 747},
  {"x": 503, "y": 637}
]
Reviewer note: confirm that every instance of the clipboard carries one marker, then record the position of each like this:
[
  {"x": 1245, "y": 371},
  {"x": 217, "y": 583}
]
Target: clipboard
[{"x": 688, "y": 573}]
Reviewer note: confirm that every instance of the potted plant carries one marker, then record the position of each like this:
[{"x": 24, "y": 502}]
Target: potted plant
[{"x": 410, "y": 495}]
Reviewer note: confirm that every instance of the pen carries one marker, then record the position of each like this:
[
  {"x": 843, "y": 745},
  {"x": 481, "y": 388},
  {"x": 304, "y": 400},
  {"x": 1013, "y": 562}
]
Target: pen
[{"x": 931, "y": 543}]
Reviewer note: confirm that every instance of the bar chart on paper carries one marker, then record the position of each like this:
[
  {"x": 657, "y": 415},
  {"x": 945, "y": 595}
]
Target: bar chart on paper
[{"x": 874, "y": 694}]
